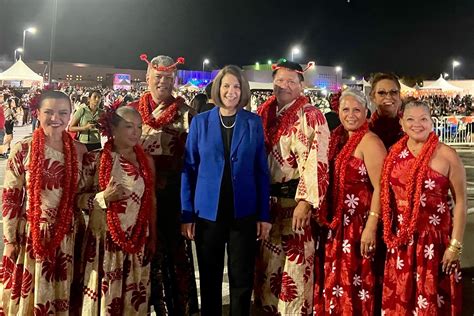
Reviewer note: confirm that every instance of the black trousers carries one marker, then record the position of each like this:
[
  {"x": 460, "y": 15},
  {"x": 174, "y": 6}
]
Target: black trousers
[{"x": 211, "y": 238}]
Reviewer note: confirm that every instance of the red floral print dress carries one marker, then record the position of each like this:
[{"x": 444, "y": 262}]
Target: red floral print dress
[
  {"x": 413, "y": 281},
  {"x": 115, "y": 282},
  {"x": 30, "y": 286},
  {"x": 348, "y": 286}
]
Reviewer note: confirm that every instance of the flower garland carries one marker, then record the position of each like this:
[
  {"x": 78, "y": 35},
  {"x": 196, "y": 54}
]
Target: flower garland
[
  {"x": 64, "y": 217},
  {"x": 416, "y": 176},
  {"x": 138, "y": 236},
  {"x": 275, "y": 126},
  {"x": 340, "y": 167},
  {"x": 168, "y": 115}
]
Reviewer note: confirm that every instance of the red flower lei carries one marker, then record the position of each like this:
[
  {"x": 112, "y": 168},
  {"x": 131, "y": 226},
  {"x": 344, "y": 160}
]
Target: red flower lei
[
  {"x": 138, "y": 236},
  {"x": 340, "y": 167},
  {"x": 167, "y": 117},
  {"x": 414, "y": 186},
  {"x": 65, "y": 212},
  {"x": 275, "y": 126}
]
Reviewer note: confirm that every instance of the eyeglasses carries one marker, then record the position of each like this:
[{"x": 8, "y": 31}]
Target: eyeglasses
[{"x": 383, "y": 93}]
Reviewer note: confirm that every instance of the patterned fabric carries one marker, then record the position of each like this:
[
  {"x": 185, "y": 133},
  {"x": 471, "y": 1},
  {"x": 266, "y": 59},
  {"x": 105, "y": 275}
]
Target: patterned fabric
[
  {"x": 28, "y": 285},
  {"x": 284, "y": 268},
  {"x": 173, "y": 285},
  {"x": 302, "y": 154},
  {"x": 115, "y": 282},
  {"x": 285, "y": 263},
  {"x": 348, "y": 282},
  {"x": 414, "y": 283}
]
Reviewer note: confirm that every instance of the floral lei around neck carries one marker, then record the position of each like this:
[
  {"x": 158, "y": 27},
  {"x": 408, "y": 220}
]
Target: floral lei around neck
[
  {"x": 65, "y": 212},
  {"x": 340, "y": 167},
  {"x": 274, "y": 126},
  {"x": 416, "y": 176},
  {"x": 137, "y": 238},
  {"x": 167, "y": 117}
]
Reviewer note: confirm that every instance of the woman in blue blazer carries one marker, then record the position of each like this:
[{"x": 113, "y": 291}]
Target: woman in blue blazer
[{"x": 225, "y": 193}]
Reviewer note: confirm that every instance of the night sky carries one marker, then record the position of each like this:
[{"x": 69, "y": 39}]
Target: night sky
[{"x": 414, "y": 38}]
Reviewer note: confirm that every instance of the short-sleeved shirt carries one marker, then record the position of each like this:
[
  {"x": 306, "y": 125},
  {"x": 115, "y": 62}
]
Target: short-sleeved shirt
[{"x": 84, "y": 116}]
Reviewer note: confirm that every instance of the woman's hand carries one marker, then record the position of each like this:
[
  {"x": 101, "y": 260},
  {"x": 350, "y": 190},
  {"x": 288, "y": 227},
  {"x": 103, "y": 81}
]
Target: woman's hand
[
  {"x": 188, "y": 230},
  {"x": 368, "y": 241},
  {"x": 450, "y": 261},
  {"x": 88, "y": 126},
  {"x": 263, "y": 230},
  {"x": 115, "y": 192}
]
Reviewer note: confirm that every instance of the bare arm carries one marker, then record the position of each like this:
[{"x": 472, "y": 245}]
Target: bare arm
[
  {"x": 374, "y": 153},
  {"x": 457, "y": 180}
]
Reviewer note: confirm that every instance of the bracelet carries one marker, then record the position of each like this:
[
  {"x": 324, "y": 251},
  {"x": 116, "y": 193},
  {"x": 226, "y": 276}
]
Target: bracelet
[
  {"x": 455, "y": 243},
  {"x": 374, "y": 214},
  {"x": 455, "y": 250}
]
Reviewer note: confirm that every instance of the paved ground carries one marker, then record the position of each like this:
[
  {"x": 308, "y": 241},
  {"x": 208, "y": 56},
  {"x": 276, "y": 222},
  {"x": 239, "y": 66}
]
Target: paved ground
[{"x": 467, "y": 262}]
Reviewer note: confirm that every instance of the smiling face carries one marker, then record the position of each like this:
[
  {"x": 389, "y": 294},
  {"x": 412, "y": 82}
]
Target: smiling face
[
  {"x": 386, "y": 97},
  {"x": 417, "y": 123},
  {"x": 286, "y": 86},
  {"x": 351, "y": 113},
  {"x": 160, "y": 84},
  {"x": 128, "y": 131},
  {"x": 230, "y": 91},
  {"x": 54, "y": 115}
]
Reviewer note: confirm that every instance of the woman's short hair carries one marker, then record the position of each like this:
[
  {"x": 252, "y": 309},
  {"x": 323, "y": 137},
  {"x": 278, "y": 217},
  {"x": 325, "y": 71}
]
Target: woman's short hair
[
  {"x": 53, "y": 94},
  {"x": 244, "y": 86},
  {"x": 384, "y": 76},
  {"x": 356, "y": 94},
  {"x": 412, "y": 103}
]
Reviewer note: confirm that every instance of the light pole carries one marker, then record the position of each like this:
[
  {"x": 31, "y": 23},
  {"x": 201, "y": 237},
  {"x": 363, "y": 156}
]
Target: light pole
[
  {"x": 31, "y": 30},
  {"x": 19, "y": 50},
  {"x": 204, "y": 63},
  {"x": 338, "y": 69},
  {"x": 53, "y": 39},
  {"x": 455, "y": 64},
  {"x": 294, "y": 51}
]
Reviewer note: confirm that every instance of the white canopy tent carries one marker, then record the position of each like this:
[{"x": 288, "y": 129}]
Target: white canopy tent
[
  {"x": 19, "y": 71},
  {"x": 442, "y": 85}
]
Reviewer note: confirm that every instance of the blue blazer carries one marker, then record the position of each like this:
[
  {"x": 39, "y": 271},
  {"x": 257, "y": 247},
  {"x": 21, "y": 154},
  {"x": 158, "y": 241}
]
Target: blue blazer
[{"x": 204, "y": 167}]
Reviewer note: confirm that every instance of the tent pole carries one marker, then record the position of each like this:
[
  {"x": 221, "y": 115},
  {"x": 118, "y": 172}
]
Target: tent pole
[{"x": 53, "y": 35}]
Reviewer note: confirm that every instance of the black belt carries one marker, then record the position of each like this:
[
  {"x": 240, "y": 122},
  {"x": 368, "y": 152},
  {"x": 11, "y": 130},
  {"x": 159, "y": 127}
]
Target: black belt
[{"x": 285, "y": 189}]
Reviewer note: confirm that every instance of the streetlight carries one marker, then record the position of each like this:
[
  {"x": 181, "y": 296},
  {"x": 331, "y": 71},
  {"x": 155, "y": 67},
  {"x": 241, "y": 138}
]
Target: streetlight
[
  {"x": 353, "y": 78},
  {"x": 294, "y": 51},
  {"x": 19, "y": 50},
  {"x": 455, "y": 64},
  {"x": 445, "y": 75},
  {"x": 31, "y": 30},
  {"x": 269, "y": 62},
  {"x": 204, "y": 63},
  {"x": 338, "y": 69}
]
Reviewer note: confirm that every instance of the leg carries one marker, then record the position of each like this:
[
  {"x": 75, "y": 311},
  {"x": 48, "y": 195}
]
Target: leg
[
  {"x": 210, "y": 245},
  {"x": 241, "y": 264}
]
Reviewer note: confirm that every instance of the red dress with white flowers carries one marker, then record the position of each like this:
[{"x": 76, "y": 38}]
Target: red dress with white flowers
[
  {"x": 413, "y": 282},
  {"x": 348, "y": 277}
]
